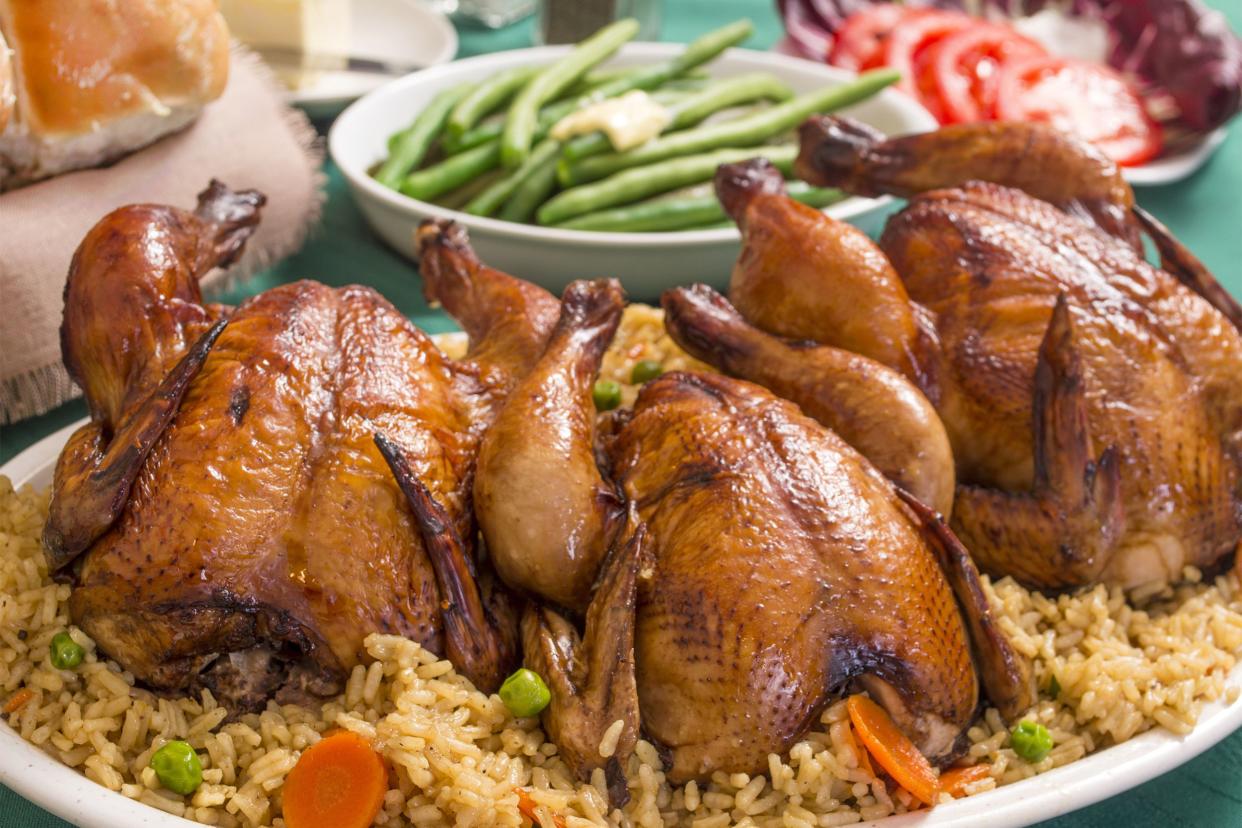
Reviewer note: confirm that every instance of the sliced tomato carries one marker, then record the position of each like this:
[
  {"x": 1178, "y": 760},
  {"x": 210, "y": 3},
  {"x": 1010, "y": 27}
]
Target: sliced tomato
[
  {"x": 1086, "y": 98},
  {"x": 860, "y": 41},
  {"x": 965, "y": 69},
  {"x": 907, "y": 47}
]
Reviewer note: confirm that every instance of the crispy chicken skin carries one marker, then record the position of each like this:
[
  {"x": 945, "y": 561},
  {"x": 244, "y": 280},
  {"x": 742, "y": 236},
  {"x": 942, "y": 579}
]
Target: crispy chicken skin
[
  {"x": 1093, "y": 401},
  {"x": 251, "y": 499},
  {"x": 763, "y": 567}
]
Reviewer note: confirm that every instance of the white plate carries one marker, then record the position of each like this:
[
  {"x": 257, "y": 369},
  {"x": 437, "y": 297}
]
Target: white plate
[
  {"x": 646, "y": 263},
  {"x": 66, "y": 793},
  {"x": 1167, "y": 169},
  {"x": 402, "y": 31}
]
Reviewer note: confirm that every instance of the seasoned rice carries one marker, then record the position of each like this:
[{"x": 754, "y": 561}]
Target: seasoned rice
[{"x": 1122, "y": 667}]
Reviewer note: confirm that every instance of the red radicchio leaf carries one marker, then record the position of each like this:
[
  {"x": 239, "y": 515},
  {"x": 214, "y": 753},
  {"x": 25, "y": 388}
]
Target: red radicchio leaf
[{"x": 1182, "y": 48}]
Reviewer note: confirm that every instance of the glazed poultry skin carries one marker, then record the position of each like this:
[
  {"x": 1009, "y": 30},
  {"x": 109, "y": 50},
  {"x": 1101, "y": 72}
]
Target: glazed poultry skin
[
  {"x": 758, "y": 567},
  {"x": 1093, "y": 401},
  {"x": 232, "y": 518}
]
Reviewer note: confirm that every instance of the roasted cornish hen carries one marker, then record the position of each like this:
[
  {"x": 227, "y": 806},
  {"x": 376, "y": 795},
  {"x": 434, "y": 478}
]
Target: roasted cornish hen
[
  {"x": 753, "y": 567},
  {"x": 1093, "y": 401},
  {"x": 231, "y": 518}
]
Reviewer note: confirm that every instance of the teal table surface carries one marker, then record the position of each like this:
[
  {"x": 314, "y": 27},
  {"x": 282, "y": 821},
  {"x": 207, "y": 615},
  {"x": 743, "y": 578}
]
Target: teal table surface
[{"x": 1203, "y": 211}]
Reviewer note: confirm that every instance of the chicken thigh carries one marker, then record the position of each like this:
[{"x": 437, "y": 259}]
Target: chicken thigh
[
  {"x": 1093, "y": 401},
  {"x": 754, "y": 566},
  {"x": 231, "y": 516}
]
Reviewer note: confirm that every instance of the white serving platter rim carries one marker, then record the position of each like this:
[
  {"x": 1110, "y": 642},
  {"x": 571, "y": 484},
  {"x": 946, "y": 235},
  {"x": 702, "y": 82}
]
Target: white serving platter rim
[
  {"x": 357, "y": 172},
  {"x": 45, "y": 781}
]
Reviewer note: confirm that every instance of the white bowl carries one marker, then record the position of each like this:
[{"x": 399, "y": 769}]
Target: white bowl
[{"x": 646, "y": 263}]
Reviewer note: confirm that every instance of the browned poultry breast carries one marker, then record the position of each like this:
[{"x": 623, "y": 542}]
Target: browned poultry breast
[
  {"x": 232, "y": 520},
  {"x": 760, "y": 567},
  {"x": 1093, "y": 401}
]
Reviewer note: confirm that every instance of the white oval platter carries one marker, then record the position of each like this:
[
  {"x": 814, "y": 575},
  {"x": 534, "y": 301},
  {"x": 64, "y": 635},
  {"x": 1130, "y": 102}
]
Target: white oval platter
[{"x": 46, "y": 782}]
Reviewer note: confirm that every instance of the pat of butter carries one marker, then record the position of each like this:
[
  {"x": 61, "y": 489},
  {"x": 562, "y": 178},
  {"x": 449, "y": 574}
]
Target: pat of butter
[
  {"x": 628, "y": 120},
  {"x": 318, "y": 29}
]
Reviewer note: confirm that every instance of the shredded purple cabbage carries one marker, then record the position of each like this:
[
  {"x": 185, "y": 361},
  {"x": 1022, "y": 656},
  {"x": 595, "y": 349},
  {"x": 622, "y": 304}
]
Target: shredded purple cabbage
[{"x": 1178, "y": 46}]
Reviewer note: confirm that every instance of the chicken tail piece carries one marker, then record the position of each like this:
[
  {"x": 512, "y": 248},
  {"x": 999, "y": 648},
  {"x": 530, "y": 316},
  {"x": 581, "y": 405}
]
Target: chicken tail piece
[{"x": 872, "y": 407}]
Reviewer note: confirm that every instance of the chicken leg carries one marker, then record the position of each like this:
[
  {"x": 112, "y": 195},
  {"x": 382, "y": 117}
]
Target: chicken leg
[
  {"x": 545, "y": 510},
  {"x": 1044, "y": 162},
  {"x": 135, "y": 334},
  {"x": 873, "y": 408},
  {"x": 769, "y": 277}
]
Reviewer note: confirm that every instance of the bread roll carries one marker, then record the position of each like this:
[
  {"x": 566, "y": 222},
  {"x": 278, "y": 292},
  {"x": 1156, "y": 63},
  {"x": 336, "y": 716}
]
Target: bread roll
[{"x": 96, "y": 79}]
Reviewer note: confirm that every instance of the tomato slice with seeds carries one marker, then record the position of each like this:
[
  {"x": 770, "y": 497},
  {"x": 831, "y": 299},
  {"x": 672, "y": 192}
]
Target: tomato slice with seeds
[
  {"x": 908, "y": 45},
  {"x": 1085, "y": 98},
  {"x": 965, "y": 69},
  {"x": 860, "y": 41}
]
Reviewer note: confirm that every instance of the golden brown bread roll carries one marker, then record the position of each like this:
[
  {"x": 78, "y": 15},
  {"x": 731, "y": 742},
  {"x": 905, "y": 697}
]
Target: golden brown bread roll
[{"x": 96, "y": 79}]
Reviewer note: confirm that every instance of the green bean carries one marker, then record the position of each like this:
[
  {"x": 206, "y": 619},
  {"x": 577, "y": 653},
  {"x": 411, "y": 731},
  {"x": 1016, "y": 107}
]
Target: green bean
[
  {"x": 487, "y": 97},
  {"x": 608, "y": 74},
  {"x": 414, "y": 142},
  {"x": 746, "y": 131},
  {"x": 533, "y": 192},
  {"x": 489, "y": 201},
  {"x": 668, "y": 213},
  {"x": 452, "y": 172},
  {"x": 551, "y": 80},
  {"x": 694, "y": 109},
  {"x": 613, "y": 82},
  {"x": 631, "y": 185},
  {"x": 448, "y": 175}
]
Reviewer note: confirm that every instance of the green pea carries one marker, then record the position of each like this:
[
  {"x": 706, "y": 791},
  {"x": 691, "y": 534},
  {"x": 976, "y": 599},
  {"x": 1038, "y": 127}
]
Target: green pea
[
  {"x": 524, "y": 693},
  {"x": 645, "y": 370},
  {"x": 607, "y": 395},
  {"x": 66, "y": 653},
  {"x": 1030, "y": 740},
  {"x": 178, "y": 767}
]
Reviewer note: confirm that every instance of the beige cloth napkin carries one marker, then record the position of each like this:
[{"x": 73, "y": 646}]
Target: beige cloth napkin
[{"x": 249, "y": 139}]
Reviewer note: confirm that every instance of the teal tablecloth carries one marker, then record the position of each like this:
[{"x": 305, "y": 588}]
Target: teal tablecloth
[{"x": 1204, "y": 212}]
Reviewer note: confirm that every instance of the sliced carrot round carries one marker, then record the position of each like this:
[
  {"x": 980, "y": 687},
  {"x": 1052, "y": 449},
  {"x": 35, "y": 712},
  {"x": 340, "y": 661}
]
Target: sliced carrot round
[
  {"x": 339, "y": 782},
  {"x": 954, "y": 781},
  {"x": 892, "y": 750}
]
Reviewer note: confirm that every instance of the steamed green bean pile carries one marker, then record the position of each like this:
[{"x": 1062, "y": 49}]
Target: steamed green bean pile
[{"x": 492, "y": 148}]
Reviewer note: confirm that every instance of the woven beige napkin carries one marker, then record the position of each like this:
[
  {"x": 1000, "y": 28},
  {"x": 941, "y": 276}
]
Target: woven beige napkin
[{"x": 248, "y": 139}]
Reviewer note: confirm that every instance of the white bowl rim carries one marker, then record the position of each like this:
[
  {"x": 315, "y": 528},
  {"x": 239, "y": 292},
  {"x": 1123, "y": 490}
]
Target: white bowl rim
[{"x": 356, "y": 174}]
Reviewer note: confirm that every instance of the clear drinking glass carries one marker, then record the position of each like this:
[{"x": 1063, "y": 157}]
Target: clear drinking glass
[
  {"x": 568, "y": 21},
  {"x": 490, "y": 13}
]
